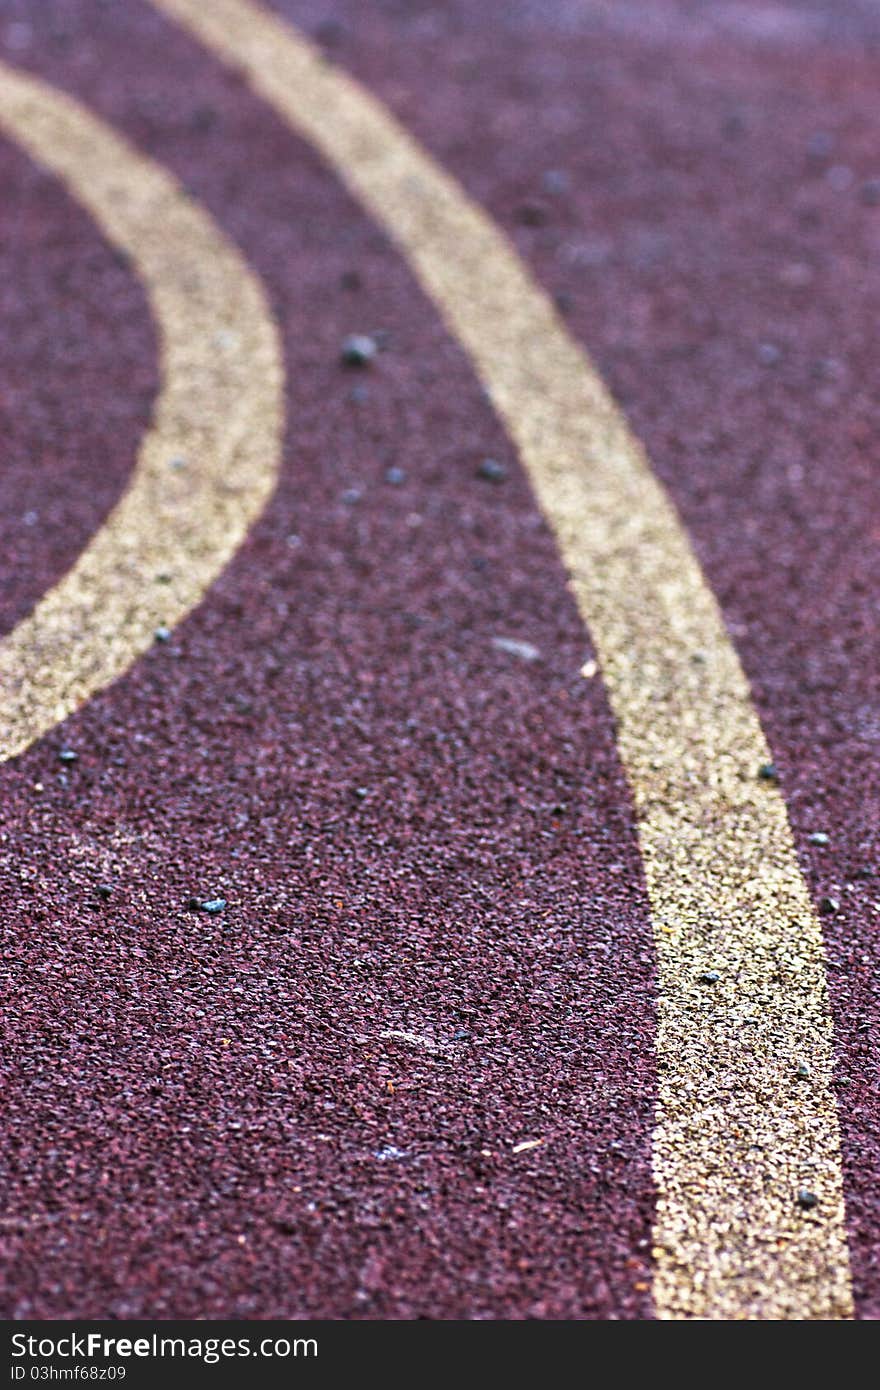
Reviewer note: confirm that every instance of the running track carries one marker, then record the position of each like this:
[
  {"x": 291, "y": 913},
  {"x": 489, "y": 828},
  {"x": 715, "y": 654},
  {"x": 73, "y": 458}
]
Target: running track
[{"x": 531, "y": 996}]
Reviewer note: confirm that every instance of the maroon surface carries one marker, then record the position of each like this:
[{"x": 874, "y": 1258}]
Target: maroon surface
[
  {"x": 198, "y": 1127},
  {"x": 718, "y": 243},
  {"x": 77, "y": 379},
  {"x": 205, "y": 1118}
]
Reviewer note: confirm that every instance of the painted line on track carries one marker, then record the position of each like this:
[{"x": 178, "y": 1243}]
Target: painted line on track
[
  {"x": 209, "y": 462},
  {"x": 750, "y": 1217}
]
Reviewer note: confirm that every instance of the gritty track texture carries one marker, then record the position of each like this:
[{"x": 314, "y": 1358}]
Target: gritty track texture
[
  {"x": 78, "y": 370},
  {"x": 375, "y": 633},
  {"x": 738, "y": 1132},
  {"x": 718, "y": 203},
  {"x": 221, "y": 1127},
  {"x": 208, "y": 463}
]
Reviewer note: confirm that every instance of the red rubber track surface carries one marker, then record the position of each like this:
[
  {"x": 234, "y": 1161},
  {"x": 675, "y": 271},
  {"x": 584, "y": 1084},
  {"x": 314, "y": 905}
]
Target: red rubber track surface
[
  {"x": 74, "y": 334},
  {"x": 198, "y": 1124},
  {"x": 206, "y": 1120},
  {"x": 722, "y": 199}
]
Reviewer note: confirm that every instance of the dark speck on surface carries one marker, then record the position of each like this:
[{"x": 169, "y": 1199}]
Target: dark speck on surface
[
  {"x": 532, "y": 213},
  {"x": 492, "y": 470},
  {"x": 358, "y": 350},
  {"x": 870, "y": 193},
  {"x": 210, "y": 905}
]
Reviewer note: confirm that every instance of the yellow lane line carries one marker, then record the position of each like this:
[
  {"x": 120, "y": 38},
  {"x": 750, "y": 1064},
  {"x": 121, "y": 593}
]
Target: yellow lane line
[
  {"x": 742, "y": 1138},
  {"x": 209, "y": 462}
]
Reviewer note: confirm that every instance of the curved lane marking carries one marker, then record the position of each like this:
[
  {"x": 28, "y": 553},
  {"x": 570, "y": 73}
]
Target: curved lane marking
[
  {"x": 741, "y": 1138},
  {"x": 209, "y": 462}
]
